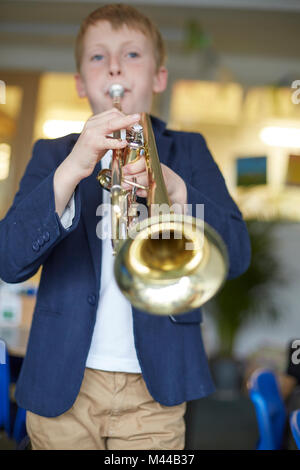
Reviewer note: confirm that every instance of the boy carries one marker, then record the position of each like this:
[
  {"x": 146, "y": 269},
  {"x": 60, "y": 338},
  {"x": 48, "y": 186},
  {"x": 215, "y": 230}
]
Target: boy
[{"x": 99, "y": 374}]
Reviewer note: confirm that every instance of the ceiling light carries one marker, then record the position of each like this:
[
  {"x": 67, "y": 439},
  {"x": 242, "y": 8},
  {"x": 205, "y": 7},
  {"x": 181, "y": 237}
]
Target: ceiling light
[
  {"x": 281, "y": 136},
  {"x": 54, "y": 128}
]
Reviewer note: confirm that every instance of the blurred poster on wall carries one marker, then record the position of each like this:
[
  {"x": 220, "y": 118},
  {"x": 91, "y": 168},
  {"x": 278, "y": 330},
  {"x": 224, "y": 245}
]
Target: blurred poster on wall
[
  {"x": 293, "y": 171},
  {"x": 251, "y": 171}
]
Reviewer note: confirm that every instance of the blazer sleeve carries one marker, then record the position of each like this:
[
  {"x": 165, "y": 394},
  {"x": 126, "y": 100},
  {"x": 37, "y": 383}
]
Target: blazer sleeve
[
  {"x": 208, "y": 187},
  {"x": 31, "y": 227}
]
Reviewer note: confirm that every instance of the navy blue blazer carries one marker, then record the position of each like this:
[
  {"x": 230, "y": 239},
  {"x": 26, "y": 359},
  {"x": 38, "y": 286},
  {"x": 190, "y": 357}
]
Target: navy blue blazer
[{"x": 170, "y": 350}]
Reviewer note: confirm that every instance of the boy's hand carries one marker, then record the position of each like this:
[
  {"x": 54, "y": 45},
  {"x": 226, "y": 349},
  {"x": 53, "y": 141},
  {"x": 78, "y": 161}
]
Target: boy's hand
[
  {"x": 94, "y": 140},
  {"x": 175, "y": 185},
  {"x": 90, "y": 147}
]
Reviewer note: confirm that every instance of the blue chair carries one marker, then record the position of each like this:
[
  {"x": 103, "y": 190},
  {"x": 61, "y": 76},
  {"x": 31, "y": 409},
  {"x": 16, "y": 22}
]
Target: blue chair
[
  {"x": 4, "y": 393},
  {"x": 295, "y": 426},
  {"x": 269, "y": 407},
  {"x": 19, "y": 427}
]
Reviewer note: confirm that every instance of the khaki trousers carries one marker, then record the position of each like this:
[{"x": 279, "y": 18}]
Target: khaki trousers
[{"x": 113, "y": 411}]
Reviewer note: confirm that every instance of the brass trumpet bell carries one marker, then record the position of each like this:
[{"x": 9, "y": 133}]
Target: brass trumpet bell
[{"x": 171, "y": 264}]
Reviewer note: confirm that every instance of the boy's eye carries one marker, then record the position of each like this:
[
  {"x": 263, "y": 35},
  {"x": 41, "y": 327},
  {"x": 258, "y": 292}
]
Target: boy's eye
[
  {"x": 97, "y": 57},
  {"x": 133, "y": 54}
]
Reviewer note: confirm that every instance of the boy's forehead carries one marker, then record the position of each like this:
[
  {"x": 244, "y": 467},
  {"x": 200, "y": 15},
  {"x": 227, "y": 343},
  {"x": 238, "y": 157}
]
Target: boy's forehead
[{"x": 102, "y": 32}]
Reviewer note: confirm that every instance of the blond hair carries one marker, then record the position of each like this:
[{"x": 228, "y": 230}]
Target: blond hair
[{"x": 119, "y": 15}]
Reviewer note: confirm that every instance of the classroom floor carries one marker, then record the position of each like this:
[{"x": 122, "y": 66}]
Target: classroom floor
[
  {"x": 5, "y": 443},
  {"x": 221, "y": 423}
]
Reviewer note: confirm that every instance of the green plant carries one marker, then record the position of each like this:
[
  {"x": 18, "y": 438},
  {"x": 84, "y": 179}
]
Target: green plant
[
  {"x": 250, "y": 295},
  {"x": 196, "y": 39}
]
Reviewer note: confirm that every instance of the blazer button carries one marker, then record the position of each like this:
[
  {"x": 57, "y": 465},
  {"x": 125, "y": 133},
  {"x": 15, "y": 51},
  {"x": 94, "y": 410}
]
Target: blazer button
[
  {"x": 40, "y": 241},
  {"x": 91, "y": 299},
  {"x": 35, "y": 246},
  {"x": 46, "y": 236}
]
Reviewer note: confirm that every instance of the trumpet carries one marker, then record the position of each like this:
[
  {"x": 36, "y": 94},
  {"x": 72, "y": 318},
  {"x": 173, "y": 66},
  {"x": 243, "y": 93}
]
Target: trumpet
[{"x": 168, "y": 263}]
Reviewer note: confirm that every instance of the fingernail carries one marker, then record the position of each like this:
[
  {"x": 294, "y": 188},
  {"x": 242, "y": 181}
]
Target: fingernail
[{"x": 136, "y": 116}]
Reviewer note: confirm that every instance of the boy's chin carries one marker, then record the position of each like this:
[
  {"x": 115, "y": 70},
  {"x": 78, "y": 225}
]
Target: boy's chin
[
  {"x": 126, "y": 107},
  {"x": 134, "y": 109}
]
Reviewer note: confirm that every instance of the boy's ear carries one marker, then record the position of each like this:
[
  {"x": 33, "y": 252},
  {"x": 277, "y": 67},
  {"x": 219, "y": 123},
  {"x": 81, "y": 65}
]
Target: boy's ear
[
  {"x": 80, "y": 85},
  {"x": 160, "y": 80}
]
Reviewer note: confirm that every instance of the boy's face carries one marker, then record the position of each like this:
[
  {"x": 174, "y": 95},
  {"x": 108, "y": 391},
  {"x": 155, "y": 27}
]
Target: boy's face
[{"x": 124, "y": 56}]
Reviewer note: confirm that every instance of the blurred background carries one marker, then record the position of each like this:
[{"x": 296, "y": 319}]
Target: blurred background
[{"x": 234, "y": 77}]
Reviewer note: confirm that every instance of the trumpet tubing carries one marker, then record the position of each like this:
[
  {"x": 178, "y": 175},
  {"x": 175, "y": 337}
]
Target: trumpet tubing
[{"x": 166, "y": 264}]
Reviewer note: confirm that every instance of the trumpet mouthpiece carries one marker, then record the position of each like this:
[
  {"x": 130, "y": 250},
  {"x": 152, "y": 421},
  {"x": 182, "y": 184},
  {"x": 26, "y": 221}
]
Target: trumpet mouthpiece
[{"x": 116, "y": 90}]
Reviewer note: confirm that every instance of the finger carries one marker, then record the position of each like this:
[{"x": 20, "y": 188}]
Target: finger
[
  {"x": 115, "y": 143},
  {"x": 140, "y": 180},
  {"x": 114, "y": 111},
  {"x": 142, "y": 193},
  {"x": 101, "y": 119},
  {"x": 122, "y": 122},
  {"x": 136, "y": 167}
]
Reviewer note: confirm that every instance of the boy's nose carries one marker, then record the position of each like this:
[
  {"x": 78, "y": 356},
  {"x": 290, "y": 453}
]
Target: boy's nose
[{"x": 114, "y": 68}]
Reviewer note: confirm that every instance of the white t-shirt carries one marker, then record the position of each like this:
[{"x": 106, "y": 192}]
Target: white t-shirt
[{"x": 112, "y": 347}]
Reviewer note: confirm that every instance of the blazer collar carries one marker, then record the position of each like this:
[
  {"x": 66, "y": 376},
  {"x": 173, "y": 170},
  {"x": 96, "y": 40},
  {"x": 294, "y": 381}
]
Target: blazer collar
[{"x": 158, "y": 125}]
